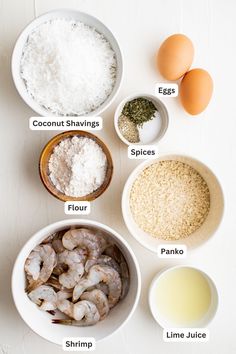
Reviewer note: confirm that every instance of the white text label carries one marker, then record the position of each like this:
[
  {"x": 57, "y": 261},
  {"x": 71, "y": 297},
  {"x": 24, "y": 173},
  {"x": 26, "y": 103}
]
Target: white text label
[
  {"x": 166, "y": 90},
  {"x": 172, "y": 251},
  {"x": 65, "y": 123},
  {"x": 78, "y": 344},
  {"x": 142, "y": 151},
  {"x": 186, "y": 335},
  {"x": 77, "y": 208}
]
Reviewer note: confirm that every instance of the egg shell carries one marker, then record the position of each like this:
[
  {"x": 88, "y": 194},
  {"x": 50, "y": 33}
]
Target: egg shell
[
  {"x": 196, "y": 90},
  {"x": 175, "y": 56}
]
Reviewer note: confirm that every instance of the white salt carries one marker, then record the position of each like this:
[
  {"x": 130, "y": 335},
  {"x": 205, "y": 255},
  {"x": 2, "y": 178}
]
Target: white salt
[{"x": 150, "y": 129}]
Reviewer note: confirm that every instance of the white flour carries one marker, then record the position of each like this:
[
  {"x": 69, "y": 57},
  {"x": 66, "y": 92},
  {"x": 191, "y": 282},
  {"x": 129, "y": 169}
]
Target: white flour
[
  {"x": 68, "y": 67},
  {"x": 77, "y": 166}
]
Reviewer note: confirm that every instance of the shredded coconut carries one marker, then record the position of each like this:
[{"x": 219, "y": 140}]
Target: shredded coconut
[
  {"x": 68, "y": 67},
  {"x": 77, "y": 166}
]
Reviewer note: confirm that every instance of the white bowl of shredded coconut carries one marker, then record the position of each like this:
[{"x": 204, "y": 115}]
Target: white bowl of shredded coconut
[{"x": 67, "y": 63}]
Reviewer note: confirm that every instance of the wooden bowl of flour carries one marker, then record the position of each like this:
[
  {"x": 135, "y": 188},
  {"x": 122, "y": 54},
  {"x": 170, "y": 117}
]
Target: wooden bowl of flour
[{"x": 45, "y": 173}]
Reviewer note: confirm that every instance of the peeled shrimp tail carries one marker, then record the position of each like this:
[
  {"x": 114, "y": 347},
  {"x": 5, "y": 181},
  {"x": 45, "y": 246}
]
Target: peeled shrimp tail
[
  {"x": 72, "y": 323},
  {"x": 45, "y": 297},
  {"x": 65, "y": 322},
  {"x": 52, "y": 312}
]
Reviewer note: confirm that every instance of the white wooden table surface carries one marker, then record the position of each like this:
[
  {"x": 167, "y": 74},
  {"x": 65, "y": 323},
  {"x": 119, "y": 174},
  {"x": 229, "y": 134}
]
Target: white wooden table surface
[{"x": 140, "y": 27}]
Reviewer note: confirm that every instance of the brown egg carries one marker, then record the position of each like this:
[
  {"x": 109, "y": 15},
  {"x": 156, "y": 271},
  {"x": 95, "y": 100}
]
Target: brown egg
[
  {"x": 196, "y": 90},
  {"x": 175, "y": 56}
]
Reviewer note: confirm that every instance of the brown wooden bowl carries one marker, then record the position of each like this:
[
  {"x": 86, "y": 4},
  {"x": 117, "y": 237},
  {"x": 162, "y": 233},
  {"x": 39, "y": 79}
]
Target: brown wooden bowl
[{"x": 46, "y": 154}]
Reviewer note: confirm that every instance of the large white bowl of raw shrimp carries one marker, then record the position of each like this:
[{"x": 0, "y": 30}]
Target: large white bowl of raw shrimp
[{"x": 76, "y": 278}]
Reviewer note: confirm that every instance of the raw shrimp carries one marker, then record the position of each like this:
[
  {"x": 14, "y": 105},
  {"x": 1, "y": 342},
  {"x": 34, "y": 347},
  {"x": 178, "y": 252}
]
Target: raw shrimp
[
  {"x": 45, "y": 297},
  {"x": 54, "y": 282},
  {"x": 107, "y": 260},
  {"x": 64, "y": 294},
  {"x": 55, "y": 236},
  {"x": 74, "y": 260},
  {"x": 103, "y": 287},
  {"x": 59, "y": 269},
  {"x": 62, "y": 266},
  {"x": 58, "y": 246},
  {"x": 63, "y": 304},
  {"x": 39, "y": 265},
  {"x": 100, "y": 286},
  {"x": 83, "y": 313},
  {"x": 99, "y": 299},
  {"x": 102, "y": 239},
  {"x": 100, "y": 273},
  {"x": 48, "y": 239},
  {"x": 85, "y": 238},
  {"x": 114, "y": 252}
]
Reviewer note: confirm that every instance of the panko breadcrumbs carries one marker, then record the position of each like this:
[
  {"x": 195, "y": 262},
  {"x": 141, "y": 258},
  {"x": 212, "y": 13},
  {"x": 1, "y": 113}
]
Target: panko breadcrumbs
[{"x": 169, "y": 200}]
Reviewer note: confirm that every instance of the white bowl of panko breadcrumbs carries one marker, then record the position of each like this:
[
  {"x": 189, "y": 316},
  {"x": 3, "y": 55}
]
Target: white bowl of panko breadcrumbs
[{"x": 174, "y": 199}]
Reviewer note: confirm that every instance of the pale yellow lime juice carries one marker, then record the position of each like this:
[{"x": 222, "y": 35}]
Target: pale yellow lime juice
[{"x": 183, "y": 296}]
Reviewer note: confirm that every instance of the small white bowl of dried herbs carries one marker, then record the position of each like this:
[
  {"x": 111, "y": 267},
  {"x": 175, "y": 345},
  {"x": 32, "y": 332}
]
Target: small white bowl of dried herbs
[{"x": 141, "y": 119}]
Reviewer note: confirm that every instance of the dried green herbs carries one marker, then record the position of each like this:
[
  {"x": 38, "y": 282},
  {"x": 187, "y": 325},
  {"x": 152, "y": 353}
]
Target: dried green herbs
[{"x": 139, "y": 110}]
